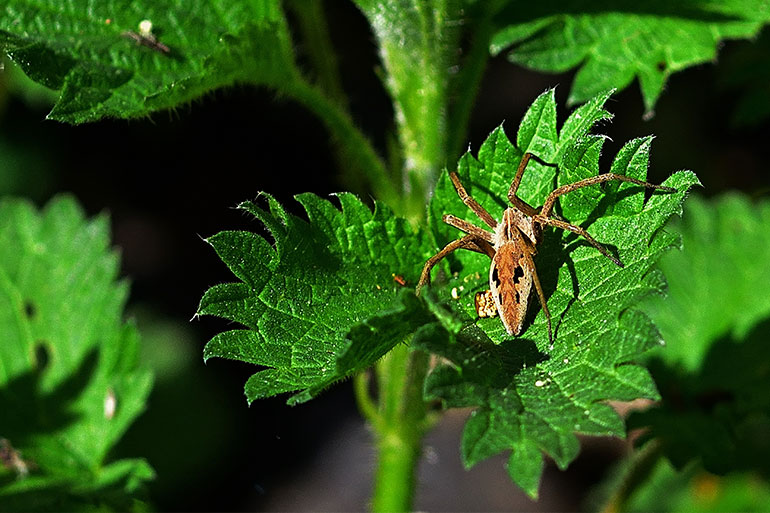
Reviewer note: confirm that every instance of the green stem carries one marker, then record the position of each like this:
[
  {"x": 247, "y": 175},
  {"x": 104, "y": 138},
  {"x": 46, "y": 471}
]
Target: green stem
[
  {"x": 357, "y": 150},
  {"x": 467, "y": 85},
  {"x": 311, "y": 21},
  {"x": 641, "y": 465},
  {"x": 403, "y": 415},
  {"x": 366, "y": 405}
]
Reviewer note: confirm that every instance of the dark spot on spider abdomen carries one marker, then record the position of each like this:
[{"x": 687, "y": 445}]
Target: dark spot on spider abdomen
[
  {"x": 518, "y": 274},
  {"x": 495, "y": 277}
]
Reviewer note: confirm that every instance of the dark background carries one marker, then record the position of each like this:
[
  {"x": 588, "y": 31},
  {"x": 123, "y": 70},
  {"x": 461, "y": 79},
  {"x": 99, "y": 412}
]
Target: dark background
[{"x": 172, "y": 179}]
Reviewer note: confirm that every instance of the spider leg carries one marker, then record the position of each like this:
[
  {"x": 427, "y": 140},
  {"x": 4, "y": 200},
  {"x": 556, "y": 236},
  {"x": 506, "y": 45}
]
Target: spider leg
[
  {"x": 557, "y": 223},
  {"x": 470, "y": 202},
  {"x": 540, "y": 294},
  {"x": 515, "y": 200},
  {"x": 606, "y": 177},
  {"x": 470, "y": 242},
  {"x": 468, "y": 228}
]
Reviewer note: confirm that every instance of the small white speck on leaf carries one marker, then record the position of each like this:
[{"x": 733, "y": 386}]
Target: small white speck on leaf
[
  {"x": 145, "y": 28},
  {"x": 110, "y": 404}
]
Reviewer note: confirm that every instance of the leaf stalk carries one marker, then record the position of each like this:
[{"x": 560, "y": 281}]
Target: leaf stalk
[
  {"x": 356, "y": 149},
  {"x": 402, "y": 412}
]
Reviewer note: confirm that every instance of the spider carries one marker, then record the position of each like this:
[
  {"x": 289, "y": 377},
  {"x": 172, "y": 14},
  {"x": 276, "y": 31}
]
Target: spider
[{"x": 511, "y": 245}]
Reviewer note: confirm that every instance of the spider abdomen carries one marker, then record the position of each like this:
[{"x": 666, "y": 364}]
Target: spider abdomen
[{"x": 510, "y": 280}]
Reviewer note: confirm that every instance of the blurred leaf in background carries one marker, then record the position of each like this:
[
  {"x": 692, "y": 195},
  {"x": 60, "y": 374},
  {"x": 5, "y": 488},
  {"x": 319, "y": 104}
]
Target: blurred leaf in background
[
  {"x": 691, "y": 489},
  {"x": 717, "y": 283},
  {"x": 714, "y": 373},
  {"x": 70, "y": 378},
  {"x": 707, "y": 442}
]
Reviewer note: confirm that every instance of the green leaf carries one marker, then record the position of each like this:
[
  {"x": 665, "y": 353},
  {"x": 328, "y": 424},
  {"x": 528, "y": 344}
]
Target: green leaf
[
  {"x": 715, "y": 282},
  {"x": 66, "y": 352},
  {"x": 613, "y": 43},
  {"x": 528, "y": 393},
  {"x": 323, "y": 302},
  {"x": 712, "y": 374},
  {"x": 83, "y": 50}
]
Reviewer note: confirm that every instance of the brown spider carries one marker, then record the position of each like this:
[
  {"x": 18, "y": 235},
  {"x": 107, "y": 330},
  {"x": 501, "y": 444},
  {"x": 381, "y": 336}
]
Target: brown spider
[{"x": 511, "y": 245}]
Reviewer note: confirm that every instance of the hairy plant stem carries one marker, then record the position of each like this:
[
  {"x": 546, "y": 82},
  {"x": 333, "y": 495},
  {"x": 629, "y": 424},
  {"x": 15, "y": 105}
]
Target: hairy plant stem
[
  {"x": 316, "y": 45},
  {"x": 402, "y": 423},
  {"x": 419, "y": 50},
  {"x": 355, "y": 147},
  {"x": 311, "y": 21},
  {"x": 468, "y": 82},
  {"x": 364, "y": 400}
]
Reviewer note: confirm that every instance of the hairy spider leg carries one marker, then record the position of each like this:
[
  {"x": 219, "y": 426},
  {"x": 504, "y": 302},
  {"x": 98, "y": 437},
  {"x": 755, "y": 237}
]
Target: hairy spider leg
[
  {"x": 469, "y": 242},
  {"x": 468, "y": 228},
  {"x": 517, "y": 202},
  {"x": 606, "y": 177},
  {"x": 557, "y": 223},
  {"x": 544, "y": 216},
  {"x": 470, "y": 202},
  {"x": 541, "y": 296}
]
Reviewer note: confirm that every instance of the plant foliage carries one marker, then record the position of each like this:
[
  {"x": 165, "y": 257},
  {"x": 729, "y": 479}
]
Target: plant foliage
[
  {"x": 83, "y": 49},
  {"x": 66, "y": 354},
  {"x": 693, "y": 490},
  {"x": 713, "y": 374},
  {"x": 323, "y": 303},
  {"x": 613, "y": 43},
  {"x": 312, "y": 301},
  {"x": 532, "y": 397}
]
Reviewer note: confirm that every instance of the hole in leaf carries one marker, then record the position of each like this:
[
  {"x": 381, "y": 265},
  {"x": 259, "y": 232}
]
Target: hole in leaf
[
  {"x": 42, "y": 355},
  {"x": 661, "y": 66},
  {"x": 30, "y": 310}
]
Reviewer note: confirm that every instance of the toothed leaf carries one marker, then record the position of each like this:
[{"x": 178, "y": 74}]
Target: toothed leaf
[
  {"x": 89, "y": 51},
  {"x": 529, "y": 394},
  {"x": 70, "y": 379},
  {"x": 323, "y": 301},
  {"x": 613, "y": 43}
]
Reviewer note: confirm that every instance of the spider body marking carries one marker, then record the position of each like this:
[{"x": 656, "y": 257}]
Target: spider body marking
[
  {"x": 511, "y": 245},
  {"x": 512, "y": 270}
]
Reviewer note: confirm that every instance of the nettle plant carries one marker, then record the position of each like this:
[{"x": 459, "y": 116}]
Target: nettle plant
[{"x": 331, "y": 294}]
